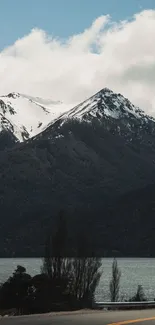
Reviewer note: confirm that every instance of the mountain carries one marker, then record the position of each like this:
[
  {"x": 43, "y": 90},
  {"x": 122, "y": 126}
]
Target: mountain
[
  {"x": 116, "y": 111},
  {"x": 25, "y": 116},
  {"x": 85, "y": 161},
  {"x": 130, "y": 223},
  {"x": 106, "y": 103}
]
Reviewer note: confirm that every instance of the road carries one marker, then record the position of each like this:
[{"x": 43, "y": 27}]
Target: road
[{"x": 141, "y": 317}]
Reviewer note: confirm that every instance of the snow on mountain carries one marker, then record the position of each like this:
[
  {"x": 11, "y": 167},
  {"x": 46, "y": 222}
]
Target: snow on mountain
[
  {"x": 106, "y": 104},
  {"x": 115, "y": 113},
  {"x": 25, "y": 116}
]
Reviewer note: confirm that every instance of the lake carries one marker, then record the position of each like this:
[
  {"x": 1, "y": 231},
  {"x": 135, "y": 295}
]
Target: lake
[{"x": 134, "y": 271}]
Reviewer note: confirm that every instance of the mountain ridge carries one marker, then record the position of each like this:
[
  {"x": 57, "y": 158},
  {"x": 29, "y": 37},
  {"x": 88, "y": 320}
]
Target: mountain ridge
[{"x": 24, "y": 125}]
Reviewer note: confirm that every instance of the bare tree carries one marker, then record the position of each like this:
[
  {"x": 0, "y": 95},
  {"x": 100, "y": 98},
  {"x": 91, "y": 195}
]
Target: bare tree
[
  {"x": 55, "y": 262},
  {"x": 81, "y": 272},
  {"x": 115, "y": 282},
  {"x": 86, "y": 276}
]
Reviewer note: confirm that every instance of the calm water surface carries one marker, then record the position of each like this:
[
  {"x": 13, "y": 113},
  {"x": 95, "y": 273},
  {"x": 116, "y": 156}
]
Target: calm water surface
[{"x": 134, "y": 271}]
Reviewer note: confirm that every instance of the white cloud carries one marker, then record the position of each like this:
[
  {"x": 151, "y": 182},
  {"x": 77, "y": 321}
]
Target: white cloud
[{"x": 120, "y": 56}]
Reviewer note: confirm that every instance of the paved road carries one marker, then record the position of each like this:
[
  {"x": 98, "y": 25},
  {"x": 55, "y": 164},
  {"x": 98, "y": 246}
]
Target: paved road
[{"x": 86, "y": 318}]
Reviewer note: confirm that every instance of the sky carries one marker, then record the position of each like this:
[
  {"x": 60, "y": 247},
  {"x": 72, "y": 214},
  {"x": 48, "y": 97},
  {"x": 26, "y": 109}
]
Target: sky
[
  {"x": 61, "y": 18},
  {"x": 69, "y": 49}
]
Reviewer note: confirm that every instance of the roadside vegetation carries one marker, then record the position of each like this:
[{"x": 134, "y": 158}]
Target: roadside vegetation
[{"x": 63, "y": 284}]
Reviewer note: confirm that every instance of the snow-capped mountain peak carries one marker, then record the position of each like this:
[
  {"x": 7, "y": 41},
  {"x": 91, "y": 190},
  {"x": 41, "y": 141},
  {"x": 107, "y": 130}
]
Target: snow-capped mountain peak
[
  {"x": 115, "y": 114},
  {"x": 25, "y": 116},
  {"x": 106, "y": 104}
]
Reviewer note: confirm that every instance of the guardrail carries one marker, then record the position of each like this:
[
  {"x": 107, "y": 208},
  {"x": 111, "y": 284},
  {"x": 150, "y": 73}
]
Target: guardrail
[{"x": 124, "y": 305}]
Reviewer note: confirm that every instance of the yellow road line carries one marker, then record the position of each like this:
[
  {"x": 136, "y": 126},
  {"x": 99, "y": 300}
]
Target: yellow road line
[{"x": 138, "y": 320}]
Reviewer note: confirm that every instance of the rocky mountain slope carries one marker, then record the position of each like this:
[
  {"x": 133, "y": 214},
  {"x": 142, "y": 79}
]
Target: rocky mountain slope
[{"x": 83, "y": 162}]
